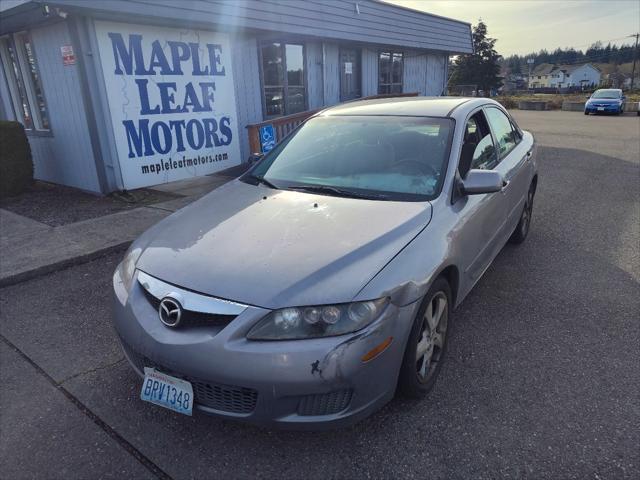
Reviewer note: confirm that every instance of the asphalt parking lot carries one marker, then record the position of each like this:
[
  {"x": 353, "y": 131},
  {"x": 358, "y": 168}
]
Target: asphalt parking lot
[{"x": 542, "y": 378}]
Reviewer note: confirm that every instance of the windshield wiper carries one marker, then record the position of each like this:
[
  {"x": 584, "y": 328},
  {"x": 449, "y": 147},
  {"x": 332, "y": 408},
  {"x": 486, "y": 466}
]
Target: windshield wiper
[
  {"x": 337, "y": 192},
  {"x": 262, "y": 180}
]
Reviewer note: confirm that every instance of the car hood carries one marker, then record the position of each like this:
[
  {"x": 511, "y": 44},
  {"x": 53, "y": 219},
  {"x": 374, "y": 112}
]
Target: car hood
[{"x": 275, "y": 248}]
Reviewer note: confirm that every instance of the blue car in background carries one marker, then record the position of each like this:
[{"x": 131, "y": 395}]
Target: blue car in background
[{"x": 605, "y": 100}]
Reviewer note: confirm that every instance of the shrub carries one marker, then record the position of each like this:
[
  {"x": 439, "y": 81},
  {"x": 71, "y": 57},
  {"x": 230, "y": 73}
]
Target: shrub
[
  {"x": 16, "y": 166},
  {"x": 507, "y": 102}
]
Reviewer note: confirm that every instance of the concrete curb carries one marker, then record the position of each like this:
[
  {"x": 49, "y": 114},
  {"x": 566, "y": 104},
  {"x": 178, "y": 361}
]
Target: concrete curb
[
  {"x": 62, "y": 264},
  {"x": 532, "y": 105},
  {"x": 39, "y": 250},
  {"x": 39, "y": 253}
]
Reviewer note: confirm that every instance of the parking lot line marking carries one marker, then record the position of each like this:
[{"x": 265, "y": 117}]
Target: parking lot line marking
[{"x": 137, "y": 454}]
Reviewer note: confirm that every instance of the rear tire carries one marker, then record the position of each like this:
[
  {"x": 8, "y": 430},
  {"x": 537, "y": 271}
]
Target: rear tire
[
  {"x": 522, "y": 229},
  {"x": 586, "y": 113},
  {"x": 427, "y": 342}
]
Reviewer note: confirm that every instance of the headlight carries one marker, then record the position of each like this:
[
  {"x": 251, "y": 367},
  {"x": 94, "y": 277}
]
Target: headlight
[
  {"x": 127, "y": 267},
  {"x": 317, "y": 321}
]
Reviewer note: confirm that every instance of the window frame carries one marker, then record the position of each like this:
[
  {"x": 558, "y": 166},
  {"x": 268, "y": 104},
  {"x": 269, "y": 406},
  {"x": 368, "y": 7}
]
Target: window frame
[
  {"x": 16, "y": 42},
  {"x": 11, "y": 80},
  {"x": 285, "y": 80},
  {"x": 391, "y": 53}
]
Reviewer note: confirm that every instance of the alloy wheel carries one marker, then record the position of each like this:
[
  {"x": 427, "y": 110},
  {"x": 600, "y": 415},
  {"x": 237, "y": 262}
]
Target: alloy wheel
[
  {"x": 433, "y": 333},
  {"x": 526, "y": 214}
]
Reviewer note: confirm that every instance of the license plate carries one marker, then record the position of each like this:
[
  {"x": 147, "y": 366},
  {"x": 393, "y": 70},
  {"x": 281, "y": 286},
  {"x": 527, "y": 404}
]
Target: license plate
[
  {"x": 167, "y": 391},
  {"x": 600, "y": 108}
]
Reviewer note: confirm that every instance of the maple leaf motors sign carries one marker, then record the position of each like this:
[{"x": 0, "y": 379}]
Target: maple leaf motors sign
[{"x": 171, "y": 100}]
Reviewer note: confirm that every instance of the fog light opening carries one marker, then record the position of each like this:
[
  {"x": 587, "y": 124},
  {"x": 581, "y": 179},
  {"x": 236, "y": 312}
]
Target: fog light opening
[{"x": 373, "y": 353}]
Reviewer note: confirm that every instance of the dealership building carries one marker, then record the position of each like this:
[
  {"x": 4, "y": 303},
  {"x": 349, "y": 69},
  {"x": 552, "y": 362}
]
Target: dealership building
[{"x": 122, "y": 94}]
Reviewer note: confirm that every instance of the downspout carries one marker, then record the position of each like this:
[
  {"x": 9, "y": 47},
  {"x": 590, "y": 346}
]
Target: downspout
[
  {"x": 324, "y": 62},
  {"x": 89, "y": 111},
  {"x": 445, "y": 77}
]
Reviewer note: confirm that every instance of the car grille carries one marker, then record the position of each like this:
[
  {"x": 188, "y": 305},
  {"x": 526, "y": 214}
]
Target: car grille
[
  {"x": 193, "y": 319},
  {"x": 225, "y": 398},
  {"x": 325, "y": 403}
]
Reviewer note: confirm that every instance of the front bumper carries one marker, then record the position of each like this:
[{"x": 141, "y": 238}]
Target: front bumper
[
  {"x": 610, "y": 108},
  {"x": 292, "y": 384}
]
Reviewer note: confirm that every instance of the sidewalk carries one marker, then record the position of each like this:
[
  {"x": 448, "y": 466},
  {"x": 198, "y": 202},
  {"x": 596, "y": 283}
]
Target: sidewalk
[{"x": 29, "y": 248}]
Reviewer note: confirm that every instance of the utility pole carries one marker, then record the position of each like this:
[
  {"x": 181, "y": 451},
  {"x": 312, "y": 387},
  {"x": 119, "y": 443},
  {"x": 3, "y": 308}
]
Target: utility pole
[{"x": 635, "y": 57}]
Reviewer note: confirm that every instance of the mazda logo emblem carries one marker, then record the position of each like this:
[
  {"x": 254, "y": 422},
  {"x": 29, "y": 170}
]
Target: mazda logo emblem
[{"x": 170, "y": 312}]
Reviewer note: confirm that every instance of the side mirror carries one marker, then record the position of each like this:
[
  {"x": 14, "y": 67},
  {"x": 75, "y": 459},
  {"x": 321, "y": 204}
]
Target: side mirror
[
  {"x": 255, "y": 158},
  {"x": 482, "y": 181}
]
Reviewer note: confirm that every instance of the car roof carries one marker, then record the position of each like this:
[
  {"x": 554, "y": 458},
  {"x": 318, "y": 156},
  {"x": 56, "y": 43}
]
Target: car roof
[{"x": 406, "y": 106}]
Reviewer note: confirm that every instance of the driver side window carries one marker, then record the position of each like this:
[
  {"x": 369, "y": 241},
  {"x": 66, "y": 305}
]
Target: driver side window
[{"x": 478, "y": 150}]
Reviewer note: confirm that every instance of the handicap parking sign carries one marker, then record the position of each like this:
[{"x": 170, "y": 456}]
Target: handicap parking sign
[{"x": 267, "y": 138}]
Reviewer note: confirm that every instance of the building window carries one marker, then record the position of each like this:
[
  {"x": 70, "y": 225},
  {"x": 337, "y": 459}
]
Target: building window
[
  {"x": 390, "y": 67},
  {"x": 21, "y": 71},
  {"x": 284, "y": 91}
]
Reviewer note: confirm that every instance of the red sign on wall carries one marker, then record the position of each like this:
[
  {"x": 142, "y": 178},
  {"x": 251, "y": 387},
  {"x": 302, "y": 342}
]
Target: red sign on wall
[{"x": 68, "y": 57}]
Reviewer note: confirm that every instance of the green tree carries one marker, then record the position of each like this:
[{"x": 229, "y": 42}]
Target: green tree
[{"x": 481, "y": 68}]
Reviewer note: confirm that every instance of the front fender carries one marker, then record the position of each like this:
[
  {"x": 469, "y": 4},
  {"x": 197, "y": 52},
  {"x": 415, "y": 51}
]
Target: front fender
[{"x": 408, "y": 276}]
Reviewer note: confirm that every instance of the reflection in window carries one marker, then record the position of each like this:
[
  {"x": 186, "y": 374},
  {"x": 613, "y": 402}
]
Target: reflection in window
[
  {"x": 16, "y": 87},
  {"x": 390, "y": 67},
  {"x": 25, "y": 88},
  {"x": 283, "y": 79},
  {"x": 37, "y": 95},
  {"x": 502, "y": 129},
  {"x": 484, "y": 156}
]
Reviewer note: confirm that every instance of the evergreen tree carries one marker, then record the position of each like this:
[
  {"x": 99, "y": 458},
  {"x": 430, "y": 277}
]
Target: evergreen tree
[
  {"x": 596, "y": 53},
  {"x": 481, "y": 68}
]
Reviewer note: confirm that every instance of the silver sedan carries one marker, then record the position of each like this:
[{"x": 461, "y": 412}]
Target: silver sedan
[{"x": 320, "y": 283}]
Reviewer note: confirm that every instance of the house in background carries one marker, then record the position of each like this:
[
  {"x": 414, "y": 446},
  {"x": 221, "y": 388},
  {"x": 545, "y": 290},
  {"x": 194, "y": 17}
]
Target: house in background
[
  {"x": 116, "y": 95},
  {"x": 583, "y": 75},
  {"x": 547, "y": 75},
  {"x": 541, "y": 76}
]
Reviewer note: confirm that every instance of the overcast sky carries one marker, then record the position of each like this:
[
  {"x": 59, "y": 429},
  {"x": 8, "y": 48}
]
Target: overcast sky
[{"x": 524, "y": 26}]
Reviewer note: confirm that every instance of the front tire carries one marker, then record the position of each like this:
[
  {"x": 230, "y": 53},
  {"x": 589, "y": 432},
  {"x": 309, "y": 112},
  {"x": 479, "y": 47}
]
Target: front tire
[
  {"x": 522, "y": 229},
  {"x": 427, "y": 342}
]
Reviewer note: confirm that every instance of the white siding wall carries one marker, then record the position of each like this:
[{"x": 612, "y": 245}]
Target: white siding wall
[
  {"x": 415, "y": 73},
  {"x": 436, "y": 68},
  {"x": 424, "y": 73},
  {"x": 331, "y": 74},
  {"x": 369, "y": 72},
  {"x": 313, "y": 65},
  {"x": 65, "y": 156},
  {"x": 246, "y": 73}
]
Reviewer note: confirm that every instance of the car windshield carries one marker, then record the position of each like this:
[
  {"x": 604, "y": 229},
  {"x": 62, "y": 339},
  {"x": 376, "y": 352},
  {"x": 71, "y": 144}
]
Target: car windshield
[
  {"x": 606, "y": 94},
  {"x": 379, "y": 157}
]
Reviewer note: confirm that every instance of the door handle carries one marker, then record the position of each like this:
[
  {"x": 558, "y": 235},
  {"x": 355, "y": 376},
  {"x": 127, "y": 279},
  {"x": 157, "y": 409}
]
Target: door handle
[
  {"x": 528, "y": 155},
  {"x": 505, "y": 185}
]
